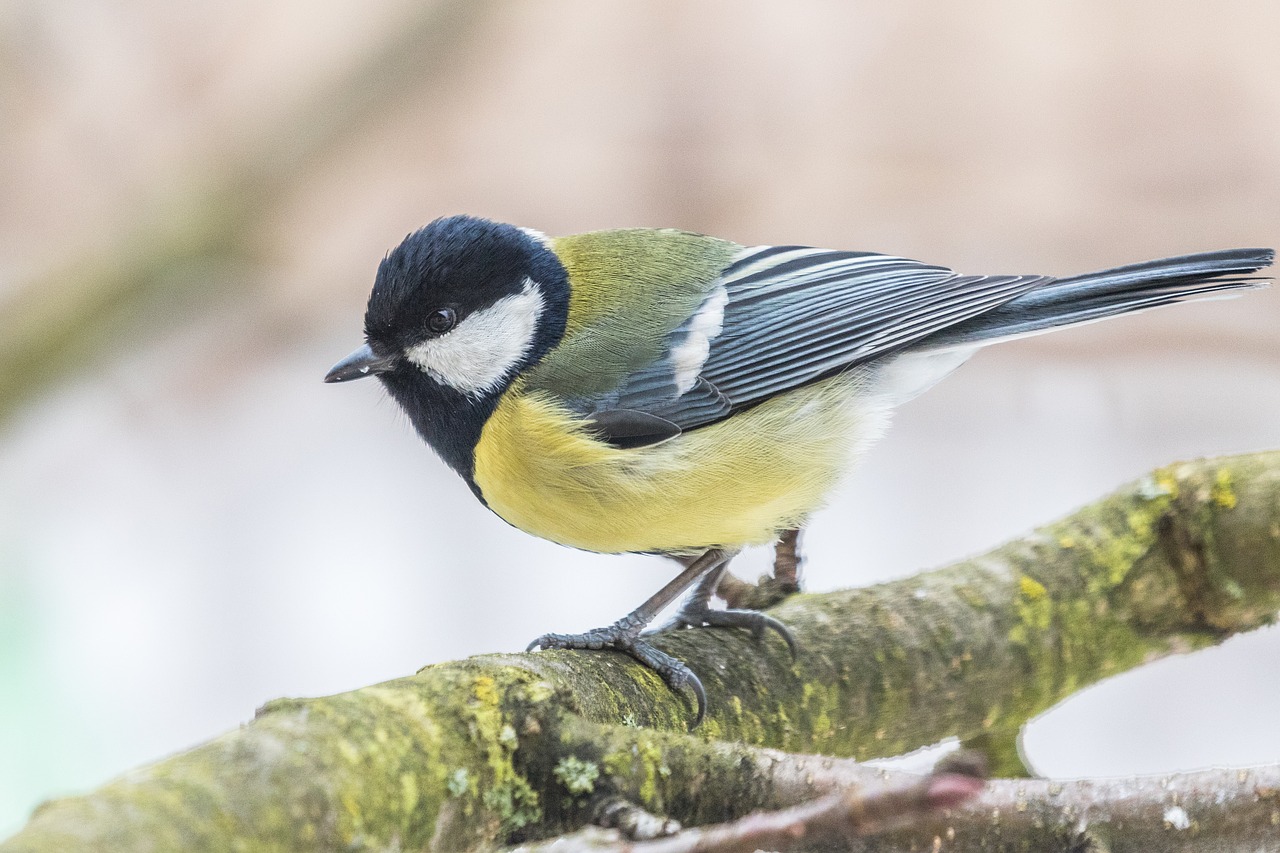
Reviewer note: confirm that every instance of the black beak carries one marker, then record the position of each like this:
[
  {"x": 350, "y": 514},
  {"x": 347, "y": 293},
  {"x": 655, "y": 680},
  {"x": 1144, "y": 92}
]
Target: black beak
[{"x": 361, "y": 363}]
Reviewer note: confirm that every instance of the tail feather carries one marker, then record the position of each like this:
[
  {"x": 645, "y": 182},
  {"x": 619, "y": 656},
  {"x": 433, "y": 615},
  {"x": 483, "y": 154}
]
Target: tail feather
[{"x": 1097, "y": 295}]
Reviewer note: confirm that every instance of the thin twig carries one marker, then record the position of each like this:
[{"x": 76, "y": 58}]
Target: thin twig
[{"x": 832, "y": 818}]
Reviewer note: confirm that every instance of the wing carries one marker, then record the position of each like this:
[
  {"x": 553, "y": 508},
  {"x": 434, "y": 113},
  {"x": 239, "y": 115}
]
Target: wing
[
  {"x": 780, "y": 317},
  {"x": 631, "y": 290}
]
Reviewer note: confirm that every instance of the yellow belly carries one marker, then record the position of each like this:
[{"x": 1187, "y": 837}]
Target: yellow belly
[{"x": 737, "y": 482}]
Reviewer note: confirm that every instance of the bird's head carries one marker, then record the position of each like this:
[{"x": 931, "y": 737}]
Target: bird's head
[{"x": 457, "y": 311}]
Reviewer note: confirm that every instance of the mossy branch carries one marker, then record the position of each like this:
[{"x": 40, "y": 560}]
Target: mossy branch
[
  {"x": 829, "y": 822},
  {"x": 1204, "y": 810},
  {"x": 501, "y": 747}
]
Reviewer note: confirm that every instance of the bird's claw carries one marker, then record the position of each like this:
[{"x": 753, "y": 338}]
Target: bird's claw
[
  {"x": 625, "y": 638},
  {"x": 600, "y": 638},
  {"x": 674, "y": 672},
  {"x": 752, "y": 620}
]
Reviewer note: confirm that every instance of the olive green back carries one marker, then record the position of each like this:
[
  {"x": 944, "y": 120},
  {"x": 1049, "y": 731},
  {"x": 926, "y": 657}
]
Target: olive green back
[{"x": 630, "y": 289}]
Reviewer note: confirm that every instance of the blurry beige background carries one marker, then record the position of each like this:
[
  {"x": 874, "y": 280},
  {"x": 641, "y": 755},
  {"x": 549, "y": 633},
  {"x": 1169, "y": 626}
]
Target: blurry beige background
[{"x": 194, "y": 197}]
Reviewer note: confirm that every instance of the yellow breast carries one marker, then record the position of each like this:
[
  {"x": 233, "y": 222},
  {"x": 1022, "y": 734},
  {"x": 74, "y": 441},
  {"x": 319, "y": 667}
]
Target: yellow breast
[{"x": 737, "y": 482}]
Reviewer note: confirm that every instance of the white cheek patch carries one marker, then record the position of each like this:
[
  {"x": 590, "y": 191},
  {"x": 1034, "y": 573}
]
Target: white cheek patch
[
  {"x": 481, "y": 351},
  {"x": 688, "y": 357}
]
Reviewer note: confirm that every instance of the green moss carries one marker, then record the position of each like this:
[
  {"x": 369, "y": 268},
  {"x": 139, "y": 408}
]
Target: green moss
[
  {"x": 408, "y": 792},
  {"x": 504, "y": 791},
  {"x": 818, "y": 703},
  {"x": 639, "y": 766},
  {"x": 515, "y": 803},
  {"x": 639, "y": 695},
  {"x": 618, "y": 763},
  {"x": 1114, "y": 549},
  {"x": 1000, "y": 747},
  {"x": 539, "y": 692},
  {"x": 652, "y": 767},
  {"x": 457, "y": 757},
  {"x": 577, "y": 776},
  {"x": 711, "y": 729}
]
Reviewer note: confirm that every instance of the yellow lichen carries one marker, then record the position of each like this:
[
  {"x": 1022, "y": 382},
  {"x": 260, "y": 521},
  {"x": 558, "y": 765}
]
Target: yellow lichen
[
  {"x": 1034, "y": 609},
  {"x": 1222, "y": 492},
  {"x": 1167, "y": 481},
  {"x": 1031, "y": 589},
  {"x": 486, "y": 690},
  {"x": 408, "y": 792}
]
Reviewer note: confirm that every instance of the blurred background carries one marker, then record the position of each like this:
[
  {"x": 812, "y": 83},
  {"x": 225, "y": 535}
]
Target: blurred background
[{"x": 194, "y": 198}]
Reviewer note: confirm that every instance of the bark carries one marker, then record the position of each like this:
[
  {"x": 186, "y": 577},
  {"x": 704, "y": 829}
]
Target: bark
[
  {"x": 500, "y": 748},
  {"x": 1213, "y": 810},
  {"x": 831, "y": 820}
]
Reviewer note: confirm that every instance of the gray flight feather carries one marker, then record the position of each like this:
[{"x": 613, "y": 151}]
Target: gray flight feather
[{"x": 780, "y": 317}]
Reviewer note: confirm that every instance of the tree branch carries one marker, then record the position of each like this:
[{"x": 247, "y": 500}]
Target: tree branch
[
  {"x": 834, "y": 819},
  {"x": 1207, "y": 810},
  {"x": 504, "y": 747}
]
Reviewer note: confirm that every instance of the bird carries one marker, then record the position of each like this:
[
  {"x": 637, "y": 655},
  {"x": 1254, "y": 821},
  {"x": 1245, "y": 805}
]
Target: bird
[{"x": 657, "y": 391}]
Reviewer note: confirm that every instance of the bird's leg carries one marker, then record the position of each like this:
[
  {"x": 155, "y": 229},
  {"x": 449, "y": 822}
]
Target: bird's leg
[
  {"x": 697, "y": 612},
  {"x": 767, "y": 591},
  {"x": 787, "y": 560},
  {"x": 624, "y": 635}
]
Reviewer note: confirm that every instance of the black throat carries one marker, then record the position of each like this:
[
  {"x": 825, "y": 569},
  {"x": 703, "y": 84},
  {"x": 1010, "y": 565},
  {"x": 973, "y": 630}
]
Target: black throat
[
  {"x": 465, "y": 265},
  {"x": 448, "y": 420}
]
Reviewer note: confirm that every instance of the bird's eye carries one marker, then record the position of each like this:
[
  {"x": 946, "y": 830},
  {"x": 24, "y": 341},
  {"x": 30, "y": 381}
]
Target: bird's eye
[{"x": 442, "y": 320}]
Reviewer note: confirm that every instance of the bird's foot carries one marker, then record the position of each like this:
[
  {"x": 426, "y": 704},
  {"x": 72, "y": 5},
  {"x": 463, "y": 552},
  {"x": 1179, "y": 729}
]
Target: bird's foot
[
  {"x": 624, "y": 636},
  {"x": 696, "y": 613}
]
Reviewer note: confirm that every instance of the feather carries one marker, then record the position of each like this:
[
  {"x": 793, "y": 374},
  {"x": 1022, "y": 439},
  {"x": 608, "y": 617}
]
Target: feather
[{"x": 742, "y": 326}]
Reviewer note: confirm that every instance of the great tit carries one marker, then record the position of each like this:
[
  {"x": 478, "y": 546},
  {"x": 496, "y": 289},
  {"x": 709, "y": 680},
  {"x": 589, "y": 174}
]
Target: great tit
[{"x": 658, "y": 391}]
